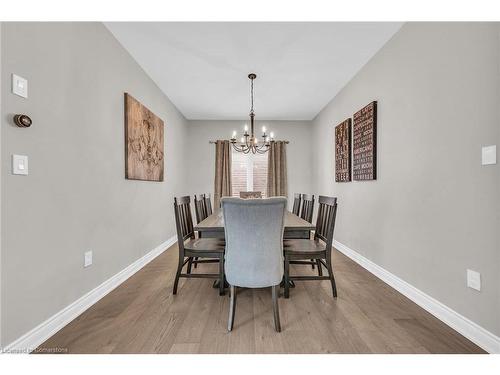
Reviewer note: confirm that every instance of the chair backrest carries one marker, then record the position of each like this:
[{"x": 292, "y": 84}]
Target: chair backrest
[
  {"x": 208, "y": 204},
  {"x": 183, "y": 219},
  {"x": 254, "y": 241},
  {"x": 296, "y": 204},
  {"x": 250, "y": 194},
  {"x": 307, "y": 207},
  {"x": 200, "y": 208},
  {"x": 325, "y": 222}
]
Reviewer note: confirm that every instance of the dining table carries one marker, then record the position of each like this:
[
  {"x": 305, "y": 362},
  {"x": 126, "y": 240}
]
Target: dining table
[{"x": 213, "y": 226}]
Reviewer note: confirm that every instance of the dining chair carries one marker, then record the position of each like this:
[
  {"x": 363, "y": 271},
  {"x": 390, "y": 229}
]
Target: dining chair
[
  {"x": 307, "y": 210},
  {"x": 208, "y": 204},
  {"x": 250, "y": 194},
  {"x": 296, "y": 210},
  {"x": 200, "y": 208},
  {"x": 210, "y": 250},
  {"x": 307, "y": 214},
  {"x": 296, "y": 204},
  {"x": 254, "y": 247},
  {"x": 301, "y": 251},
  {"x": 205, "y": 210}
]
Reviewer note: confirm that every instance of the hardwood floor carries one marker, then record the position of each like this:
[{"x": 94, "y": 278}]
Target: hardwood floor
[{"x": 142, "y": 316}]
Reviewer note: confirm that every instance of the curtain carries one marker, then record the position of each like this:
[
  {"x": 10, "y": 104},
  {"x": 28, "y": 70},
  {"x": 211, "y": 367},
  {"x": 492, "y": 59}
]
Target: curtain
[
  {"x": 222, "y": 186},
  {"x": 276, "y": 170}
]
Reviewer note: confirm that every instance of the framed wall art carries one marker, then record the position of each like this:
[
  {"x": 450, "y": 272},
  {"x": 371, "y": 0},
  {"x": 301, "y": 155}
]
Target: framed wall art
[
  {"x": 343, "y": 151},
  {"x": 143, "y": 142},
  {"x": 365, "y": 143}
]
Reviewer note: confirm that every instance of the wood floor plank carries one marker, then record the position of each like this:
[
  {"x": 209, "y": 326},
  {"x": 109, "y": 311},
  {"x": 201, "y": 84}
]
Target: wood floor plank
[
  {"x": 191, "y": 348},
  {"x": 267, "y": 340},
  {"x": 242, "y": 337},
  {"x": 142, "y": 316}
]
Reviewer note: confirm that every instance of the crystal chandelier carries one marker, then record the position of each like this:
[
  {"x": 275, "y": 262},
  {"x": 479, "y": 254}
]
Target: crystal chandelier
[{"x": 249, "y": 142}]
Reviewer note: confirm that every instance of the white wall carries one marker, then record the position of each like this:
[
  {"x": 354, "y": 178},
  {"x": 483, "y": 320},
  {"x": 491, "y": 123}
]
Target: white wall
[
  {"x": 201, "y": 160},
  {"x": 76, "y": 197},
  {"x": 434, "y": 210}
]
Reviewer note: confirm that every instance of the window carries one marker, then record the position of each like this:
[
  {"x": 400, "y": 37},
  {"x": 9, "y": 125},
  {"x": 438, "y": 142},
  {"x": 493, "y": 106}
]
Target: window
[{"x": 248, "y": 172}]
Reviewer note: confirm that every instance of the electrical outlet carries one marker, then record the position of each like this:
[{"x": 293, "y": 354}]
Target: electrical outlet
[
  {"x": 474, "y": 280},
  {"x": 87, "y": 259}
]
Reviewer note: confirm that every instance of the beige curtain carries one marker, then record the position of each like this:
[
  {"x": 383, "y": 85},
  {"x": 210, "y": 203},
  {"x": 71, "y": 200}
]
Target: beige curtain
[
  {"x": 222, "y": 171},
  {"x": 276, "y": 170}
]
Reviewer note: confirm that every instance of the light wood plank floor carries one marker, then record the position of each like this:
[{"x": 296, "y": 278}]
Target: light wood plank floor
[{"x": 142, "y": 316}]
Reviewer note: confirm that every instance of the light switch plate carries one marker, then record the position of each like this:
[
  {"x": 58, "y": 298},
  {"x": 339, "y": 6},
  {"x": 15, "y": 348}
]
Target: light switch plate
[
  {"x": 19, "y": 86},
  {"x": 473, "y": 279},
  {"x": 489, "y": 155},
  {"x": 87, "y": 261},
  {"x": 19, "y": 164}
]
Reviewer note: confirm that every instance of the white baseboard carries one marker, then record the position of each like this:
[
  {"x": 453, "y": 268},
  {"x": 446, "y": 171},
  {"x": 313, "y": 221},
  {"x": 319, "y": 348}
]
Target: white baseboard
[
  {"x": 31, "y": 340},
  {"x": 477, "y": 334}
]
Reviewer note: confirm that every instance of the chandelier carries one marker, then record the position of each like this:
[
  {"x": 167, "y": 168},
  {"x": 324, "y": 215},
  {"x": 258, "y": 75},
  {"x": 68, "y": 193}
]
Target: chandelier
[{"x": 249, "y": 142}]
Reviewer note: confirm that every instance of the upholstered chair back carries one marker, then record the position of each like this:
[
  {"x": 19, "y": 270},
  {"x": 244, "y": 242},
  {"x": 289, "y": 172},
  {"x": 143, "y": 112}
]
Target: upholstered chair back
[{"x": 254, "y": 241}]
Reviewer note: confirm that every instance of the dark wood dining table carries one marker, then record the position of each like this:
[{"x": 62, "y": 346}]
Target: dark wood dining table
[{"x": 213, "y": 226}]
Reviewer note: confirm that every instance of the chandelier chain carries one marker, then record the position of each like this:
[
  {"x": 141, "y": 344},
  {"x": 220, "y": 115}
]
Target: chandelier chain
[{"x": 251, "y": 88}]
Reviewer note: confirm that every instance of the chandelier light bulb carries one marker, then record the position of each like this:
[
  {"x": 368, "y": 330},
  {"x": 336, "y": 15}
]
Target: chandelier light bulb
[
  {"x": 242, "y": 140},
  {"x": 272, "y": 135},
  {"x": 263, "y": 129},
  {"x": 246, "y": 127},
  {"x": 234, "y": 134}
]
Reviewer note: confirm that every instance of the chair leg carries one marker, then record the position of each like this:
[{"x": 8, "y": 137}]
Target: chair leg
[
  {"x": 332, "y": 278},
  {"x": 320, "y": 268},
  {"x": 190, "y": 264},
  {"x": 221, "y": 276},
  {"x": 196, "y": 264},
  {"x": 178, "y": 273},
  {"x": 312, "y": 265},
  {"x": 276, "y": 311},
  {"x": 287, "y": 277},
  {"x": 232, "y": 306}
]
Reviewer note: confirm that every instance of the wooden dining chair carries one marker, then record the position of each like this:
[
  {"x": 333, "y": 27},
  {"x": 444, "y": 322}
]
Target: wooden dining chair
[
  {"x": 296, "y": 204},
  {"x": 296, "y": 210},
  {"x": 307, "y": 214},
  {"x": 208, "y": 204},
  {"x": 200, "y": 208},
  {"x": 301, "y": 251},
  {"x": 250, "y": 194},
  {"x": 254, "y": 262},
  {"x": 209, "y": 250}
]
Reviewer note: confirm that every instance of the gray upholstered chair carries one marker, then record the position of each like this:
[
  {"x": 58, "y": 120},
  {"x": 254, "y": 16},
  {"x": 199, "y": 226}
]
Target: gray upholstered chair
[{"x": 254, "y": 247}]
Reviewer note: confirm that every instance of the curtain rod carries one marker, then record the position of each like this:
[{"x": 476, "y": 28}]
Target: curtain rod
[{"x": 213, "y": 142}]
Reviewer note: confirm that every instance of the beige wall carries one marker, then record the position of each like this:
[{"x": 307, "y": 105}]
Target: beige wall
[
  {"x": 434, "y": 210},
  {"x": 201, "y": 159},
  {"x": 76, "y": 197}
]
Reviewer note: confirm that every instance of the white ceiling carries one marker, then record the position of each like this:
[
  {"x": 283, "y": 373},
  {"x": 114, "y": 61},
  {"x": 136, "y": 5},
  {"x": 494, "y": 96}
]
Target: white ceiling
[{"x": 203, "y": 67}]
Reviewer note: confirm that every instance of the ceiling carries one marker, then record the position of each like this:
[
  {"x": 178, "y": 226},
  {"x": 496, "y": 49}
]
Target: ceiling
[{"x": 202, "y": 66}]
